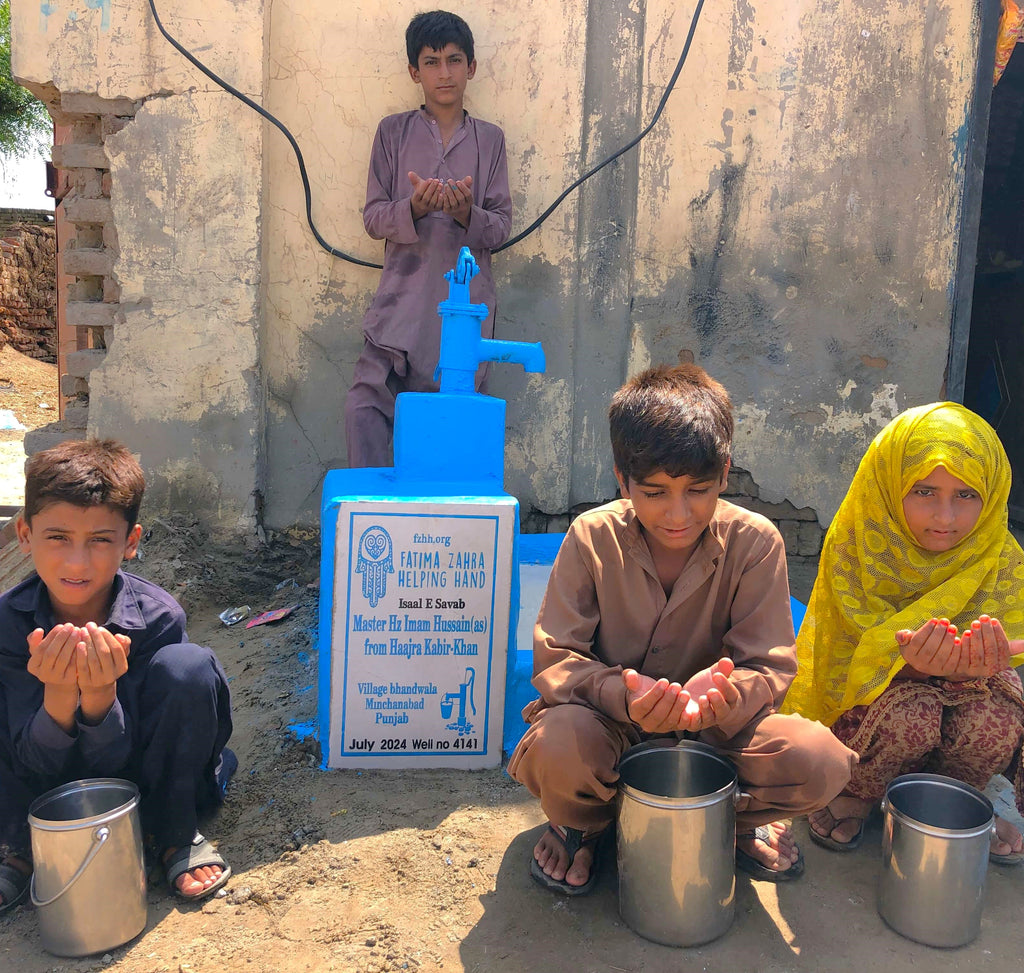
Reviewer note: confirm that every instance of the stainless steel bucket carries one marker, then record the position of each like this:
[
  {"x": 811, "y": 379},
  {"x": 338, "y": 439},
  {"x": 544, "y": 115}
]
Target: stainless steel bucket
[
  {"x": 676, "y": 842},
  {"x": 935, "y": 845},
  {"x": 89, "y": 879}
]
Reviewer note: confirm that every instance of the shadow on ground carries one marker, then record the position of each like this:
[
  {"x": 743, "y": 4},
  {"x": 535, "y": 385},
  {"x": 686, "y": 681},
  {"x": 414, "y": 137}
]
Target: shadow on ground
[{"x": 826, "y": 922}]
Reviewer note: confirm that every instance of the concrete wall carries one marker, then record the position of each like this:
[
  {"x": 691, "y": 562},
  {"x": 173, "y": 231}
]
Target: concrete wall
[
  {"x": 175, "y": 265},
  {"x": 791, "y": 224}
]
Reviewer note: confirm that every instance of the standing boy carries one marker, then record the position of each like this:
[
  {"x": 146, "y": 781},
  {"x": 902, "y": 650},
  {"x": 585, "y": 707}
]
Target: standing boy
[
  {"x": 438, "y": 181},
  {"x": 97, "y": 676},
  {"x": 667, "y": 613}
]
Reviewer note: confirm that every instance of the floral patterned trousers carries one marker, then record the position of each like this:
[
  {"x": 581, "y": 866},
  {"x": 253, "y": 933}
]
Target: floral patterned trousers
[{"x": 969, "y": 731}]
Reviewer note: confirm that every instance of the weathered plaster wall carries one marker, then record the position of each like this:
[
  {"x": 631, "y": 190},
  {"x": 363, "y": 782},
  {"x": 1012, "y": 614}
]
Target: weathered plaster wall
[
  {"x": 182, "y": 372},
  {"x": 531, "y": 67},
  {"x": 819, "y": 244},
  {"x": 792, "y": 224},
  {"x": 179, "y": 381}
]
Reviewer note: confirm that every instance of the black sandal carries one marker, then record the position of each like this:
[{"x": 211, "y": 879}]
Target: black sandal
[
  {"x": 14, "y": 885},
  {"x": 190, "y": 857},
  {"x": 573, "y": 840},
  {"x": 833, "y": 844}
]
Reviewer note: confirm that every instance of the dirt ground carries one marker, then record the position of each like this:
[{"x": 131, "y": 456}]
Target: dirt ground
[
  {"x": 427, "y": 870},
  {"x": 28, "y": 390}
]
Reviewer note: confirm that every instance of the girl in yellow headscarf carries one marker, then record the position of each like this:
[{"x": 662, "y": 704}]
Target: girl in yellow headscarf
[{"x": 915, "y": 620}]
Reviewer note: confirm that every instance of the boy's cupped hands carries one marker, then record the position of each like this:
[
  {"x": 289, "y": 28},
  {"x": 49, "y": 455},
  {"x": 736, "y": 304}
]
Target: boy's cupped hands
[
  {"x": 81, "y": 663},
  {"x": 79, "y": 667},
  {"x": 660, "y": 706},
  {"x": 87, "y": 657},
  {"x": 454, "y": 197}
]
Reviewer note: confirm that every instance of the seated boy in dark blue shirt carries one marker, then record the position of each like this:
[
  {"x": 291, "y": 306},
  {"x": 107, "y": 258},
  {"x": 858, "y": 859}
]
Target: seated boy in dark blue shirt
[{"x": 97, "y": 676}]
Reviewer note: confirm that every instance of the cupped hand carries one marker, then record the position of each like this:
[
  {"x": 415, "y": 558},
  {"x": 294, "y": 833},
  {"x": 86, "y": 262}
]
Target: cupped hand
[
  {"x": 934, "y": 649},
  {"x": 457, "y": 199},
  {"x": 51, "y": 655},
  {"x": 715, "y": 692},
  {"x": 655, "y": 705},
  {"x": 660, "y": 706},
  {"x": 101, "y": 657},
  {"x": 427, "y": 195},
  {"x": 985, "y": 649}
]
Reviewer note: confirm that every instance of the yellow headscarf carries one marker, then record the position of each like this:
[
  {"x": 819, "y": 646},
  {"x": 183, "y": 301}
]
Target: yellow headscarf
[{"x": 873, "y": 578}]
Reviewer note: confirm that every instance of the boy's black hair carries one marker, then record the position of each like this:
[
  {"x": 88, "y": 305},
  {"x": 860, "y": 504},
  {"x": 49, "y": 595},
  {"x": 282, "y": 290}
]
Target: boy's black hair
[
  {"x": 436, "y": 29},
  {"x": 85, "y": 473},
  {"x": 675, "y": 419}
]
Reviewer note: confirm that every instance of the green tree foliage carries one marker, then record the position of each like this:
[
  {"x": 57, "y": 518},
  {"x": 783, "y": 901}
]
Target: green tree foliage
[{"x": 24, "y": 123}]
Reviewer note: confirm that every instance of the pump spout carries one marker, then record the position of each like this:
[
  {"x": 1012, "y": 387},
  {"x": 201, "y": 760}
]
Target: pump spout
[
  {"x": 529, "y": 354},
  {"x": 462, "y": 347}
]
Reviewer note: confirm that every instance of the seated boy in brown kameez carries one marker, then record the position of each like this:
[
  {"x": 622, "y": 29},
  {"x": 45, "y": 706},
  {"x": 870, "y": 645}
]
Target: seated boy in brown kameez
[{"x": 667, "y": 614}]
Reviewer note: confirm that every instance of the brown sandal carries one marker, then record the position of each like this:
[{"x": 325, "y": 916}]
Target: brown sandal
[{"x": 827, "y": 841}]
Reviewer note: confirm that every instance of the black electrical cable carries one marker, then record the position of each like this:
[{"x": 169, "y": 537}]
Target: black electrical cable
[
  {"x": 302, "y": 165},
  {"x": 657, "y": 114},
  {"x": 288, "y": 135}
]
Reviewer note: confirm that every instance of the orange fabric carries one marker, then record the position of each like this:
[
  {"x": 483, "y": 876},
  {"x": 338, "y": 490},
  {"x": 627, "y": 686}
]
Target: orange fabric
[{"x": 1011, "y": 30}]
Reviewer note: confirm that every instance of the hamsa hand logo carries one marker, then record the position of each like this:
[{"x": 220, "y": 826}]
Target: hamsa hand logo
[{"x": 374, "y": 562}]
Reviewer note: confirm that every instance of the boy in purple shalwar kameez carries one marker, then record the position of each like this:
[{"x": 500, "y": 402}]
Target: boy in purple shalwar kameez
[{"x": 438, "y": 181}]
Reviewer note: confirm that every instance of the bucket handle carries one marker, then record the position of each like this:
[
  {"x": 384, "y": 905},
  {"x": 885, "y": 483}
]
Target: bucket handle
[
  {"x": 739, "y": 796},
  {"x": 99, "y": 836}
]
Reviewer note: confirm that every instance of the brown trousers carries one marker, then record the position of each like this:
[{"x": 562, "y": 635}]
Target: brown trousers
[{"x": 569, "y": 759}]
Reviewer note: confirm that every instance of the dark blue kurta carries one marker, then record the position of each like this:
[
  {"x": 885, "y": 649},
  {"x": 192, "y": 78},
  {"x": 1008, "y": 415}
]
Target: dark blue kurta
[{"x": 166, "y": 730}]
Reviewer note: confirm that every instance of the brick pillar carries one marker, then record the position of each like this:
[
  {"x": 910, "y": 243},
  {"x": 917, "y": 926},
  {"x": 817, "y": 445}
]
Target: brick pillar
[{"x": 86, "y": 254}]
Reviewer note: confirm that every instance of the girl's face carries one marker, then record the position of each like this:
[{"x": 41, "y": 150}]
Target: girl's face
[{"x": 941, "y": 510}]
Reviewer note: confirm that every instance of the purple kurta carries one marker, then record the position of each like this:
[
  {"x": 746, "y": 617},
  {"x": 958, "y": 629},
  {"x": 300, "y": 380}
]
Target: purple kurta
[{"x": 403, "y": 315}]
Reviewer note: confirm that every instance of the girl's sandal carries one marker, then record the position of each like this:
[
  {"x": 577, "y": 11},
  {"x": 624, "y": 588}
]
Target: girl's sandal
[
  {"x": 827, "y": 841},
  {"x": 1011, "y": 858},
  {"x": 14, "y": 885}
]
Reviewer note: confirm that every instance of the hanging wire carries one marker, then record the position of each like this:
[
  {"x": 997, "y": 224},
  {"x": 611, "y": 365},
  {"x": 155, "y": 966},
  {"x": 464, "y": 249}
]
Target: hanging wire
[{"x": 334, "y": 251}]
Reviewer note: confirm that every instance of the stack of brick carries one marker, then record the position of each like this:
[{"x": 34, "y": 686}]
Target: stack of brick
[
  {"x": 9, "y": 216},
  {"x": 799, "y": 526},
  {"x": 85, "y": 120},
  {"x": 28, "y": 290}
]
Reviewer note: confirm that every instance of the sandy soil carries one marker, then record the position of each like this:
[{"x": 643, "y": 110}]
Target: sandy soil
[
  {"x": 28, "y": 390},
  {"x": 427, "y": 870}
]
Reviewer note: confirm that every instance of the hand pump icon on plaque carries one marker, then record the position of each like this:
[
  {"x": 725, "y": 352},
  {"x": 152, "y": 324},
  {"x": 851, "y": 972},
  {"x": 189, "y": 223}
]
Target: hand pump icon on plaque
[{"x": 464, "y": 697}]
